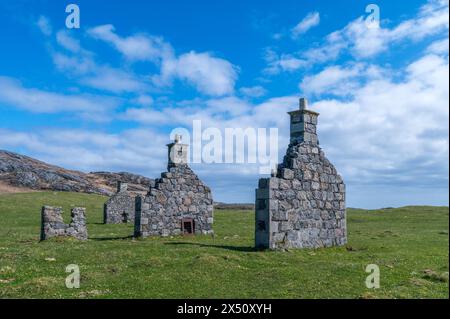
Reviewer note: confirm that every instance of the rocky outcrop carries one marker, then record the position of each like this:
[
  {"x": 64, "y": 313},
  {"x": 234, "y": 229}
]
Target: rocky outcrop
[
  {"x": 136, "y": 184},
  {"x": 19, "y": 171}
]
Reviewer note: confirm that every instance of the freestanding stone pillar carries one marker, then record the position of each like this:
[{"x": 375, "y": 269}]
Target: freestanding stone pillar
[{"x": 303, "y": 204}]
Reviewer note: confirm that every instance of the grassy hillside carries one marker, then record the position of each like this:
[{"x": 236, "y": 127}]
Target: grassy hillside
[{"x": 409, "y": 244}]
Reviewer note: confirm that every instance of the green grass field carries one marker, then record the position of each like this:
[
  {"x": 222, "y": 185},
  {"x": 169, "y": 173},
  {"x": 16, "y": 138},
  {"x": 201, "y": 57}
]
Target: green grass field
[{"x": 410, "y": 245}]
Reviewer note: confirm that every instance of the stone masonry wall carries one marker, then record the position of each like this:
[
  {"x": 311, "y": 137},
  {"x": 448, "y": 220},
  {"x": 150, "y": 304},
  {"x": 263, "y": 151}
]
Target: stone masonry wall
[
  {"x": 52, "y": 224},
  {"x": 178, "y": 195},
  {"x": 120, "y": 207},
  {"x": 303, "y": 205}
]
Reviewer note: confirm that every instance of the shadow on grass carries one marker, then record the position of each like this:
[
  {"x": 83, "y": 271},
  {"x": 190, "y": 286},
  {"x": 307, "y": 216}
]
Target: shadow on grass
[
  {"x": 234, "y": 248},
  {"x": 111, "y": 238}
]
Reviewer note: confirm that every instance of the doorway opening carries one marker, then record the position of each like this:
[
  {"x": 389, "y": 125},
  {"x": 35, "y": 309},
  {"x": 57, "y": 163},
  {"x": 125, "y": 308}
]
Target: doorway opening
[
  {"x": 124, "y": 217},
  {"x": 188, "y": 226}
]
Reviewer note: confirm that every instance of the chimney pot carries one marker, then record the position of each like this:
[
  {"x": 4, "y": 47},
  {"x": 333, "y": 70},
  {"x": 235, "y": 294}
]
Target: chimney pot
[
  {"x": 121, "y": 186},
  {"x": 303, "y": 103}
]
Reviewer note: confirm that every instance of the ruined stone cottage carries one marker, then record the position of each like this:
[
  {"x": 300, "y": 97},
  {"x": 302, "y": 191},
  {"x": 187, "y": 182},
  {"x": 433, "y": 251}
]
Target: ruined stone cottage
[
  {"x": 178, "y": 203},
  {"x": 119, "y": 208},
  {"x": 52, "y": 223},
  {"x": 303, "y": 204}
]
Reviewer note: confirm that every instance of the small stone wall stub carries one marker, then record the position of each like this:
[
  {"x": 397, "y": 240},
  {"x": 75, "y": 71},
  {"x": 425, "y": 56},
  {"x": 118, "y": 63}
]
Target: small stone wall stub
[{"x": 52, "y": 224}]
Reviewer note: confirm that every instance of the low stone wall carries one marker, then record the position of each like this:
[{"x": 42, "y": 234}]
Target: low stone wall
[
  {"x": 178, "y": 203},
  {"x": 52, "y": 224}
]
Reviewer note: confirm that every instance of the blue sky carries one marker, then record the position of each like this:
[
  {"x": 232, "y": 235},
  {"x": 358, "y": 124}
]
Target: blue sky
[{"x": 107, "y": 95}]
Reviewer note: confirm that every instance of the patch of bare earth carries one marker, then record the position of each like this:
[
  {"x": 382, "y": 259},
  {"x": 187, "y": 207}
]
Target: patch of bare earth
[{"x": 6, "y": 189}]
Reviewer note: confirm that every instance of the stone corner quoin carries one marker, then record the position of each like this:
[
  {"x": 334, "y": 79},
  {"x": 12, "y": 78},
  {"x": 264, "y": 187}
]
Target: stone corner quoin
[{"x": 302, "y": 205}]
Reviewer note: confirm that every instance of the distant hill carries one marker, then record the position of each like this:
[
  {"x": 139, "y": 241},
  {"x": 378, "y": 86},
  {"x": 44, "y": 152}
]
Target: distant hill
[{"x": 19, "y": 173}]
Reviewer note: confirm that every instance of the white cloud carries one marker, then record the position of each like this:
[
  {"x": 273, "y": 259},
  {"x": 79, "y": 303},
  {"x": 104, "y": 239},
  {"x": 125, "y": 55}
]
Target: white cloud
[
  {"x": 392, "y": 132},
  {"x": 138, "y": 47},
  {"x": 439, "y": 47},
  {"x": 114, "y": 80},
  {"x": 149, "y": 116},
  {"x": 90, "y": 150},
  {"x": 341, "y": 80},
  {"x": 334, "y": 45},
  {"x": 208, "y": 74},
  {"x": 102, "y": 77},
  {"x": 311, "y": 20},
  {"x": 332, "y": 79},
  {"x": 289, "y": 63},
  {"x": 428, "y": 69},
  {"x": 433, "y": 18},
  {"x": 143, "y": 100},
  {"x": 13, "y": 93},
  {"x": 80, "y": 64},
  {"x": 77, "y": 65},
  {"x": 362, "y": 42},
  {"x": 254, "y": 91},
  {"x": 278, "y": 63},
  {"x": 228, "y": 107},
  {"x": 67, "y": 42},
  {"x": 44, "y": 25}
]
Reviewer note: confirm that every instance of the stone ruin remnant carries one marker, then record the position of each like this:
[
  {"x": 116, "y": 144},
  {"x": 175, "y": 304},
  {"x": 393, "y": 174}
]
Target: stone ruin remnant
[
  {"x": 303, "y": 204},
  {"x": 178, "y": 203},
  {"x": 52, "y": 224},
  {"x": 120, "y": 207}
]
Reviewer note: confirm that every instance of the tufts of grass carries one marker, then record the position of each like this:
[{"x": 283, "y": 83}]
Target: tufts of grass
[{"x": 435, "y": 276}]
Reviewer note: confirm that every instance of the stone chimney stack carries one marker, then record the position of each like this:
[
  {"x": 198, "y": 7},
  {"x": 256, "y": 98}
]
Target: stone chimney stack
[
  {"x": 303, "y": 124},
  {"x": 303, "y": 103},
  {"x": 122, "y": 187},
  {"x": 177, "y": 152}
]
